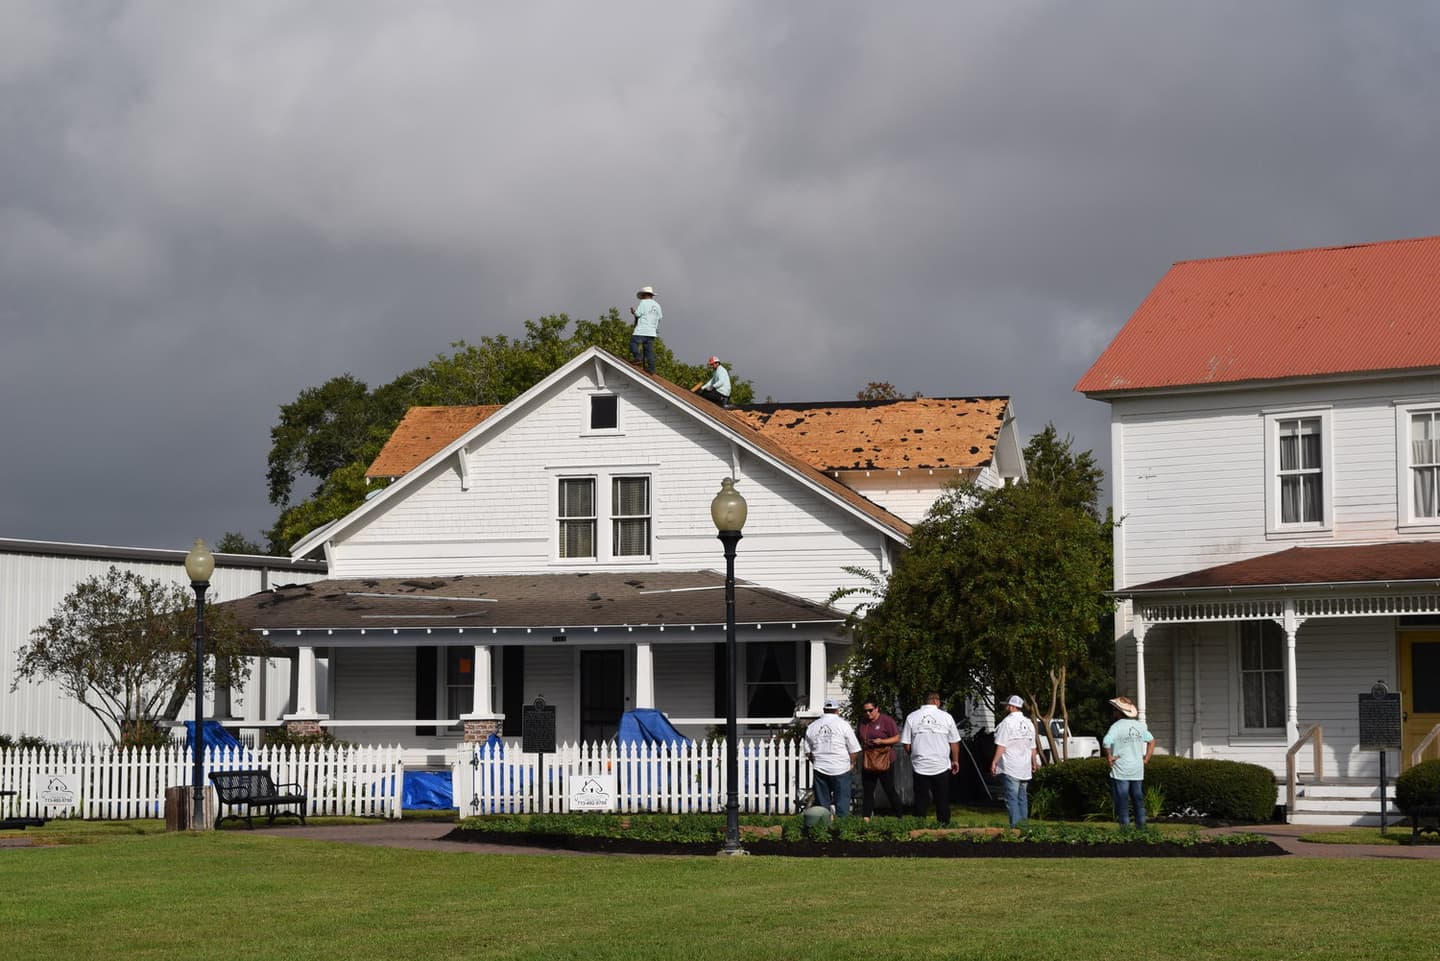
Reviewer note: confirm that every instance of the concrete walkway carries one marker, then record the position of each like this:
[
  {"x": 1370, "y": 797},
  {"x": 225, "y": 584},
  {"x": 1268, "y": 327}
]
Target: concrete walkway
[{"x": 427, "y": 835}]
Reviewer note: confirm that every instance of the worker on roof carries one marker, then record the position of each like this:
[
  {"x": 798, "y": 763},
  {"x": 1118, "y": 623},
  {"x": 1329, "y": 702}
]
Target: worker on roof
[
  {"x": 717, "y": 388},
  {"x": 647, "y": 316}
]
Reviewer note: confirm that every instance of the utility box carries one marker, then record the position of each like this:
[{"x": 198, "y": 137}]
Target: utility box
[{"x": 180, "y": 809}]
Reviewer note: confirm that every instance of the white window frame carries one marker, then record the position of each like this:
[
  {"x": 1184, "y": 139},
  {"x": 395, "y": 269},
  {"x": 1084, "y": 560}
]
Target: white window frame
[
  {"x": 1277, "y": 731},
  {"x": 605, "y": 516},
  {"x": 1406, "y": 518},
  {"x": 1274, "y": 420},
  {"x": 587, "y": 429},
  {"x": 593, "y": 517}
]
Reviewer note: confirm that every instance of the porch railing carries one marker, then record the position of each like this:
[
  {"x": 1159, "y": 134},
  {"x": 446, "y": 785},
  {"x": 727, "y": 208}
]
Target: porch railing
[
  {"x": 1417, "y": 755},
  {"x": 1315, "y": 734}
]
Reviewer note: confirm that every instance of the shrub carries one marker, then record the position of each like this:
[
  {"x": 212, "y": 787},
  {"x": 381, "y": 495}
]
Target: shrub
[
  {"x": 1224, "y": 790},
  {"x": 23, "y": 742},
  {"x": 284, "y": 737},
  {"x": 1418, "y": 786}
]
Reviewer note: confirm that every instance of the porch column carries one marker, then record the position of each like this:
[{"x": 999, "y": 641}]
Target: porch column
[
  {"x": 1291, "y": 624},
  {"x": 481, "y": 721},
  {"x": 305, "y": 719},
  {"x": 1139, "y": 630},
  {"x": 644, "y": 676},
  {"x": 817, "y": 679}
]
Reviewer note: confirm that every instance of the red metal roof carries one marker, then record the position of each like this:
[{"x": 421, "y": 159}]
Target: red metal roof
[
  {"x": 1350, "y": 564},
  {"x": 1297, "y": 313}
]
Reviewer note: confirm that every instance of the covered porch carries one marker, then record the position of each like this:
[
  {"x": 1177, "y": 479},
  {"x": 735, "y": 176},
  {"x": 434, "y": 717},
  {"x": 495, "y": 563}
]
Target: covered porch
[{"x": 427, "y": 663}]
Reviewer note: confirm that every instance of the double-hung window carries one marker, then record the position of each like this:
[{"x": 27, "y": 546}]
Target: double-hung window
[
  {"x": 1297, "y": 457},
  {"x": 577, "y": 517},
  {"x": 1262, "y": 677},
  {"x": 1419, "y": 448},
  {"x": 625, "y": 499}
]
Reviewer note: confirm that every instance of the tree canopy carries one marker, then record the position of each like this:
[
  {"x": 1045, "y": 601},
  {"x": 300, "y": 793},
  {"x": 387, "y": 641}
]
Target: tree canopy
[
  {"x": 331, "y": 433},
  {"x": 123, "y": 646},
  {"x": 1002, "y": 590}
]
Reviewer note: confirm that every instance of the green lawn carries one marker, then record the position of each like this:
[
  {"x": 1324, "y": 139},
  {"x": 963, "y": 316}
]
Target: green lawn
[{"x": 227, "y": 895}]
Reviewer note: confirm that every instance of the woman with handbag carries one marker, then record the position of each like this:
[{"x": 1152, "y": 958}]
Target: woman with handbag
[{"x": 877, "y": 733}]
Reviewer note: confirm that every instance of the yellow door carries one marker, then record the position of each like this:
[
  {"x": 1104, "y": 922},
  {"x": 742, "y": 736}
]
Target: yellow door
[{"x": 1419, "y": 691}]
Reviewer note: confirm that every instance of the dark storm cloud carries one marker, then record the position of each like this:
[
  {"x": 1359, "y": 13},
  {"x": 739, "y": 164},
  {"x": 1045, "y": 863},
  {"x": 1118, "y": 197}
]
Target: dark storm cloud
[{"x": 208, "y": 208}]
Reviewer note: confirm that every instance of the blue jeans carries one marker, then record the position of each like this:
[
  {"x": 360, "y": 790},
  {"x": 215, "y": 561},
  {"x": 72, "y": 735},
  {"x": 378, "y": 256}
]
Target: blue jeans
[
  {"x": 640, "y": 343},
  {"x": 1017, "y": 799},
  {"x": 833, "y": 788},
  {"x": 1126, "y": 795}
]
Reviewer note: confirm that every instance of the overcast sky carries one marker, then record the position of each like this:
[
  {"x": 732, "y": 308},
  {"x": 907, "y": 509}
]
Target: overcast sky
[{"x": 208, "y": 207}]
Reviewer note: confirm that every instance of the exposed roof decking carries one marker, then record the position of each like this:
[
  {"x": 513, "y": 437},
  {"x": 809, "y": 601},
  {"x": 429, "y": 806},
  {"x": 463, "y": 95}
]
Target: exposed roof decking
[
  {"x": 1325, "y": 311},
  {"x": 935, "y": 433},
  {"x": 422, "y": 432}
]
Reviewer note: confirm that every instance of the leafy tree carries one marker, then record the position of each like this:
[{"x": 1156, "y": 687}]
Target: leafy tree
[
  {"x": 123, "y": 646},
  {"x": 331, "y": 433},
  {"x": 236, "y": 543},
  {"x": 1002, "y": 590},
  {"x": 883, "y": 390}
]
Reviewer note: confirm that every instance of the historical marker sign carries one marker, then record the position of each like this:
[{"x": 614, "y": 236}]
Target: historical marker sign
[
  {"x": 1380, "y": 720},
  {"x": 537, "y": 728}
]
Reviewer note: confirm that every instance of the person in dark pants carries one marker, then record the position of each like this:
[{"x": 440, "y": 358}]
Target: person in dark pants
[
  {"x": 933, "y": 742},
  {"x": 878, "y": 733}
]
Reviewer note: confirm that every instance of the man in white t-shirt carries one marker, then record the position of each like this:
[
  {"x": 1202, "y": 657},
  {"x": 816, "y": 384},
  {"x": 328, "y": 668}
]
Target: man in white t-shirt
[
  {"x": 1016, "y": 758},
  {"x": 932, "y": 740},
  {"x": 832, "y": 748}
]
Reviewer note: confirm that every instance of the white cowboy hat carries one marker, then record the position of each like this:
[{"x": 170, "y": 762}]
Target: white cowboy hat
[
  {"x": 1125, "y": 706},
  {"x": 644, "y": 291}
]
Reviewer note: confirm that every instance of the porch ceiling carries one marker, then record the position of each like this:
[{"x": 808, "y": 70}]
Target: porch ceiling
[{"x": 539, "y": 602}]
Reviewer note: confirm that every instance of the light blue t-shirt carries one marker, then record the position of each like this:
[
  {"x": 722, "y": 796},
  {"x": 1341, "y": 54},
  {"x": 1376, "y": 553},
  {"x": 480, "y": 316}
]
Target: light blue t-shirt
[
  {"x": 647, "y": 318},
  {"x": 1126, "y": 742},
  {"x": 719, "y": 381}
]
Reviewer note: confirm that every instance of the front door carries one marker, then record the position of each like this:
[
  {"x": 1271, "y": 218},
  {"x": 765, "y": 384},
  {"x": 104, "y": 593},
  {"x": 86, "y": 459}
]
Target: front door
[
  {"x": 602, "y": 694},
  {"x": 1419, "y": 689}
]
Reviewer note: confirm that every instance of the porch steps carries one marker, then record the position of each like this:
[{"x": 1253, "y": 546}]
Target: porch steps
[{"x": 1344, "y": 803}]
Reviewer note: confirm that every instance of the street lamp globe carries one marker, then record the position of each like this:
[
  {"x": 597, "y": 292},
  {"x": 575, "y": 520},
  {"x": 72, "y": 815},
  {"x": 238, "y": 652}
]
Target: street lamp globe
[{"x": 728, "y": 509}]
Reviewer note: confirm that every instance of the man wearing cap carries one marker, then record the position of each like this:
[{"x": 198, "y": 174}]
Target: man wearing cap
[
  {"x": 831, "y": 747},
  {"x": 1016, "y": 758},
  {"x": 1128, "y": 746},
  {"x": 647, "y": 316},
  {"x": 932, "y": 740},
  {"x": 717, "y": 389}
]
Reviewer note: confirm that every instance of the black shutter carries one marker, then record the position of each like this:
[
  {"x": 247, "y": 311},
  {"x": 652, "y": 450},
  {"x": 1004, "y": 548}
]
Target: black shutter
[
  {"x": 512, "y": 689},
  {"x": 427, "y": 660}
]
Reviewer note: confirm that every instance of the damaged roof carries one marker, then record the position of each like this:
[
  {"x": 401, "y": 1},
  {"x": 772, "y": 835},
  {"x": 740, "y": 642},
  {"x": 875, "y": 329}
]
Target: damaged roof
[
  {"x": 422, "y": 432},
  {"x": 545, "y": 602},
  {"x": 937, "y": 433}
]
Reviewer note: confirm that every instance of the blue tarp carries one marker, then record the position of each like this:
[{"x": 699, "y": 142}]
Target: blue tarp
[
  {"x": 427, "y": 791},
  {"x": 648, "y": 726},
  {"x": 215, "y": 736}
]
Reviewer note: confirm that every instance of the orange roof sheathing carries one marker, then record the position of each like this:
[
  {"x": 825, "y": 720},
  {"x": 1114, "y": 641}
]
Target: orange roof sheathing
[
  {"x": 422, "y": 432},
  {"x": 939, "y": 433},
  {"x": 1324, "y": 311}
]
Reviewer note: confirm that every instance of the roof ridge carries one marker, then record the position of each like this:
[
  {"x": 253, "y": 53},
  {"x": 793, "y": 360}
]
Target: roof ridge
[{"x": 1304, "y": 250}]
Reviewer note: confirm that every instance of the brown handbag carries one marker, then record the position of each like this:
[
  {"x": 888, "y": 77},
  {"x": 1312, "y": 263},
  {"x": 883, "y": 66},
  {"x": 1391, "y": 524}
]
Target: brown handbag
[{"x": 878, "y": 758}]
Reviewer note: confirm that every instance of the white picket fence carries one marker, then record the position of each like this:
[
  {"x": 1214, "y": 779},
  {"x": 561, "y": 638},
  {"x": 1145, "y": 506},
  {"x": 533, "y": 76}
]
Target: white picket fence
[
  {"x": 108, "y": 783},
  {"x": 672, "y": 779}
]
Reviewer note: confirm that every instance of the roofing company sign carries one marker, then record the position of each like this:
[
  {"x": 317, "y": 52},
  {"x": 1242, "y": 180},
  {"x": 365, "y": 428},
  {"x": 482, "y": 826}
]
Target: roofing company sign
[
  {"x": 58, "y": 792},
  {"x": 592, "y": 792}
]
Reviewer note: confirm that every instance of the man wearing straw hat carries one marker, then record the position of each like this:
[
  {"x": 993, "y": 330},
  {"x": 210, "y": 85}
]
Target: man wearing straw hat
[
  {"x": 1128, "y": 746},
  {"x": 647, "y": 316}
]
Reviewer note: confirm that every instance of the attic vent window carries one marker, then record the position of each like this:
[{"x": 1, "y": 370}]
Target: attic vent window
[{"x": 604, "y": 412}]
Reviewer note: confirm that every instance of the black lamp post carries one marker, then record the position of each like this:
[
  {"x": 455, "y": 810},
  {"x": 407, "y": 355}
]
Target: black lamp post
[
  {"x": 728, "y": 511},
  {"x": 199, "y": 564}
]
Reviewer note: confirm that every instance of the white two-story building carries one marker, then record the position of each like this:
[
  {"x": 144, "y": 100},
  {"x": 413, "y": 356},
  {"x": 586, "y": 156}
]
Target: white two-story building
[
  {"x": 561, "y": 546},
  {"x": 1275, "y": 452}
]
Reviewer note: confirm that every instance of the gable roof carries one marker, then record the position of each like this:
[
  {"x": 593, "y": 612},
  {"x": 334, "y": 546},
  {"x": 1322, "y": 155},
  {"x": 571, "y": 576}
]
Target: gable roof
[
  {"x": 1379, "y": 564},
  {"x": 724, "y": 421},
  {"x": 1298, "y": 313},
  {"x": 938, "y": 433},
  {"x": 423, "y": 431}
]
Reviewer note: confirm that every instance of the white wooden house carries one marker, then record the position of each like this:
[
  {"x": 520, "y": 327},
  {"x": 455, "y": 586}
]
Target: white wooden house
[
  {"x": 35, "y": 577},
  {"x": 1274, "y": 426},
  {"x": 561, "y": 546}
]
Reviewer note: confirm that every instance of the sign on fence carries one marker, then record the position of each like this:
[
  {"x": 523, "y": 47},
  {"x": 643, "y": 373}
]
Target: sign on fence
[{"x": 592, "y": 792}]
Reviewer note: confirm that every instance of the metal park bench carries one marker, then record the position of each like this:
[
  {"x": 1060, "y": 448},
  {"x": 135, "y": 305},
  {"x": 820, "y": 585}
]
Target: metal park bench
[
  {"x": 255, "y": 791},
  {"x": 1425, "y": 817}
]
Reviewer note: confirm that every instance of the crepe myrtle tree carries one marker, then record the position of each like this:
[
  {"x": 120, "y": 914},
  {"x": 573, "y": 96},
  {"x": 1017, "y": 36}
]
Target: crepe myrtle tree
[
  {"x": 1002, "y": 590},
  {"x": 123, "y": 646}
]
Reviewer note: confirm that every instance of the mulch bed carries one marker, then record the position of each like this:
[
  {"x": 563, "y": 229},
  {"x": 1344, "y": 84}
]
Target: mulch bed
[{"x": 937, "y": 848}]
